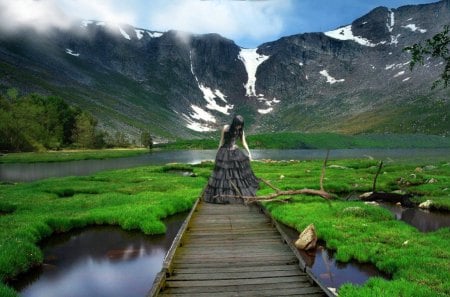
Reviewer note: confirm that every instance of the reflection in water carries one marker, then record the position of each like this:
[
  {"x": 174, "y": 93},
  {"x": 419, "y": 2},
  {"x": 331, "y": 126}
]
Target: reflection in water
[
  {"x": 328, "y": 271},
  {"x": 423, "y": 220},
  {"x": 35, "y": 171},
  {"x": 99, "y": 261}
]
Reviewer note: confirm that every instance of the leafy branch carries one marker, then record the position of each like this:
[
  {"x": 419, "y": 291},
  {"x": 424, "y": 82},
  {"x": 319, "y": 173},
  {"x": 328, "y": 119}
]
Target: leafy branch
[{"x": 436, "y": 47}]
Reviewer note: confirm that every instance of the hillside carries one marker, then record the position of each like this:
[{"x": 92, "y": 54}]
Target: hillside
[{"x": 355, "y": 79}]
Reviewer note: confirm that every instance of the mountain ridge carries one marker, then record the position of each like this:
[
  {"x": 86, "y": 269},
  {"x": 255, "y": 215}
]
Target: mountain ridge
[{"x": 354, "y": 79}]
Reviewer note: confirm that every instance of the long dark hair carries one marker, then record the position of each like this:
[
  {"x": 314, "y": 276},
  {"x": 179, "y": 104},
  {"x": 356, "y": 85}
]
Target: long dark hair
[{"x": 238, "y": 120}]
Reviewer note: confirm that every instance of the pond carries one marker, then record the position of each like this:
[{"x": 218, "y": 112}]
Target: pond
[
  {"x": 99, "y": 261},
  {"x": 35, "y": 171},
  {"x": 422, "y": 219}
]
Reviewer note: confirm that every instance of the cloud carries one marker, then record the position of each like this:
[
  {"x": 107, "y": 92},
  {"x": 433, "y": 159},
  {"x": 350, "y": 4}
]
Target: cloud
[
  {"x": 45, "y": 14},
  {"x": 253, "y": 20},
  {"x": 40, "y": 15}
]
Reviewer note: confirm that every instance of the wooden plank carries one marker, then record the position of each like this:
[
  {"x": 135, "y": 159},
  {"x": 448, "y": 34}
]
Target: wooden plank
[
  {"x": 233, "y": 282},
  {"x": 244, "y": 288},
  {"x": 234, "y": 250},
  {"x": 310, "y": 291}
]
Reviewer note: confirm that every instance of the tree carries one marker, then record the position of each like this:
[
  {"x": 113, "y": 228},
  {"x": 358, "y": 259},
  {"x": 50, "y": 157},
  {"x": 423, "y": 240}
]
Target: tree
[
  {"x": 84, "y": 132},
  {"x": 146, "y": 139},
  {"x": 436, "y": 47}
]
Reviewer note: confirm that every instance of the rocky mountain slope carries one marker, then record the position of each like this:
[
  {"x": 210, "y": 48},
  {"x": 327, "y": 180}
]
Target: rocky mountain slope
[{"x": 176, "y": 84}]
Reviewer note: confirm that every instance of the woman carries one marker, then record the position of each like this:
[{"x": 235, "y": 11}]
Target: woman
[{"x": 232, "y": 175}]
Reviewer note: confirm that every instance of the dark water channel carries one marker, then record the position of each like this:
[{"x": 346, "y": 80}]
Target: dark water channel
[
  {"x": 34, "y": 171},
  {"x": 101, "y": 261},
  {"x": 423, "y": 220},
  {"x": 331, "y": 273}
]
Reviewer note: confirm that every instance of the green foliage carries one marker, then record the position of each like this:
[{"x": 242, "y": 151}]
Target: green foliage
[
  {"x": 37, "y": 123},
  {"x": 437, "y": 47}
]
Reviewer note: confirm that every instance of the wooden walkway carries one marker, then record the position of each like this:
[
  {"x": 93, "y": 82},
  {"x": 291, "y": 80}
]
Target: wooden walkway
[{"x": 232, "y": 250}]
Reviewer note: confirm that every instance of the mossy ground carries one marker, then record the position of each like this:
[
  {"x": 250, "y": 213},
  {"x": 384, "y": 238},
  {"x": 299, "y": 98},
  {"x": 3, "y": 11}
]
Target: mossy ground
[{"x": 139, "y": 198}]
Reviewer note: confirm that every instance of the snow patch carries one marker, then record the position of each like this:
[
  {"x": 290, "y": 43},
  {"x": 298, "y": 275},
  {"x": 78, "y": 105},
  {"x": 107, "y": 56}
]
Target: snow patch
[
  {"x": 399, "y": 73},
  {"x": 345, "y": 33},
  {"x": 301, "y": 64},
  {"x": 414, "y": 28},
  {"x": 209, "y": 96},
  {"x": 197, "y": 126},
  {"x": 251, "y": 60},
  {"x": 391, "y": 20},
  {"x": 124, "y": 34},
  {"x": 139, "y": 33},
  {"x": 201, "y": 114},
  {"x": 71, "y": 52},
  {"x": 331, "y": 80},
  {"x": 154, "y": 34},
  {"x": 394, "y": 39},
  {"x": 406, "y": 79},
  {"x": 265, "y": 111},
  {"x": 396, "y": 66}
]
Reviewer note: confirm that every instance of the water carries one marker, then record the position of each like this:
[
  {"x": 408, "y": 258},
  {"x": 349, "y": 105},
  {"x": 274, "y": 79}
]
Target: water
[
  {"x": 423, "y": 220},
  {"x": 329, "y": 272},
  {"x": 102, "y": 261},
  {"x": 35, "y": 171}
]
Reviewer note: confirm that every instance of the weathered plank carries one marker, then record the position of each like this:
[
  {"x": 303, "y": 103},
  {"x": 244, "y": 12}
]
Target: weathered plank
[{"x": 234, "y": 250}]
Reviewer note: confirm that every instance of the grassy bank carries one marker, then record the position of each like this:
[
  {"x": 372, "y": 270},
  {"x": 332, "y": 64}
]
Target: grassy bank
[
  {"x": 138, "y": 198},
  {"x": 70, "y": 155},
  {"x": 293, "y": 140}
]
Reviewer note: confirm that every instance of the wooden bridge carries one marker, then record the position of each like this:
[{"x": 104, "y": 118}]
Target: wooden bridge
[{"x": 233, "y": 250}]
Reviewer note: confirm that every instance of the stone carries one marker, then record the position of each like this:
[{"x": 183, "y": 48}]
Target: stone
[
  {"x": 307, "y": 239},
  {"x": 418, "y": 169},
  {"x": 426, "y": 205},
  {"x": 365, "y": 195},
  {"x": 432, "y": 181}
]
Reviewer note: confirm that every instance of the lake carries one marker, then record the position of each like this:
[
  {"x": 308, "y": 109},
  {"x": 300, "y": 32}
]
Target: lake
[{"x": 35, "y": 171}]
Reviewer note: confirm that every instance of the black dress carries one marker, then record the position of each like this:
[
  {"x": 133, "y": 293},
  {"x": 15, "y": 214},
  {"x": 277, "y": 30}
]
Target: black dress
[{"x": 232, "y": 174}]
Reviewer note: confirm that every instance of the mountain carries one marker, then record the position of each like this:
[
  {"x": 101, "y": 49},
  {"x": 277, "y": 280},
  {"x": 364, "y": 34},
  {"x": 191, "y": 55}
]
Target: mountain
[{"x": 354, "y": 79}]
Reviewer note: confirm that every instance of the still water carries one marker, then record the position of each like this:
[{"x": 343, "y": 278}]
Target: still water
[
  {"x": 422, "y": 219},
  {"x": 102, "y": 261},
  {"x": 329, "y": 272},
  {"x": 35, "y": 171}
]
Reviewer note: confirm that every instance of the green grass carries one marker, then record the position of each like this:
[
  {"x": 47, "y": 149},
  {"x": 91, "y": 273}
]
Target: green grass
[
  {"x": 70, "y": 155},
  {"x": 139, "y": 198},
  {"x": 418, "y": 262},
  {"x": 297, "y": 140}
]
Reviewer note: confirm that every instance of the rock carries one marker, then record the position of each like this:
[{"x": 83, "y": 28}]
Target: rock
[
  {"x": 432, "y": 181},
  {"x": 365, "y": 195},
  {"x": 337, "y": 166},
  {"x": 426, "y": 205},
  {"x": 307, "y": 239},
  {"x": 418, "y": 170},
  {"x": 371, "y": 203},
  {"x": 281, "y": 176},
  {"x": 429, "y": 167}
]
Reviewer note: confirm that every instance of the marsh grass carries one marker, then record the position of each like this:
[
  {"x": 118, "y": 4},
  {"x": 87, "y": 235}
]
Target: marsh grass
[
  {"x": 418, "y": 262},
  {"x": 139, "y": 198}
]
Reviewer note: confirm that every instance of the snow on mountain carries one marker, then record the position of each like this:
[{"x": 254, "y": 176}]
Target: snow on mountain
[
  {"x": 331, "y": 80},
  {"x": 124, "y": 34},
  {"x": 345, "y": 33},
  {"x": 71, "y": 52},
  {"x": 251, "y": 60},
  {"x": 414, "y": 28}
]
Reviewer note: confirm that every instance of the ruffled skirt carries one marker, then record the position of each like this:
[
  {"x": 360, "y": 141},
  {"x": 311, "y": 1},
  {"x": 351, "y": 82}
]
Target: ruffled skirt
[{"x": 232, "y": 176}]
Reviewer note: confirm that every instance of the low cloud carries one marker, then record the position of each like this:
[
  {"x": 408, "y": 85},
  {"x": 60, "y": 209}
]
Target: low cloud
[
  {"x": 40, "y": 15},
  {"x": 253, "y": 20}
]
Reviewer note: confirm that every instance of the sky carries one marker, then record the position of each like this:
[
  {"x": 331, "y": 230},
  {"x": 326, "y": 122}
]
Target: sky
[{"x": 248, "y": 22}]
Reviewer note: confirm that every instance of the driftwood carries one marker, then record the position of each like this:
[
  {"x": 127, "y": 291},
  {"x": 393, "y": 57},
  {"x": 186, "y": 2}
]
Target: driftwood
[
  {"x": 403, "y": 199},
  {"x": 271, "y": 197}
]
